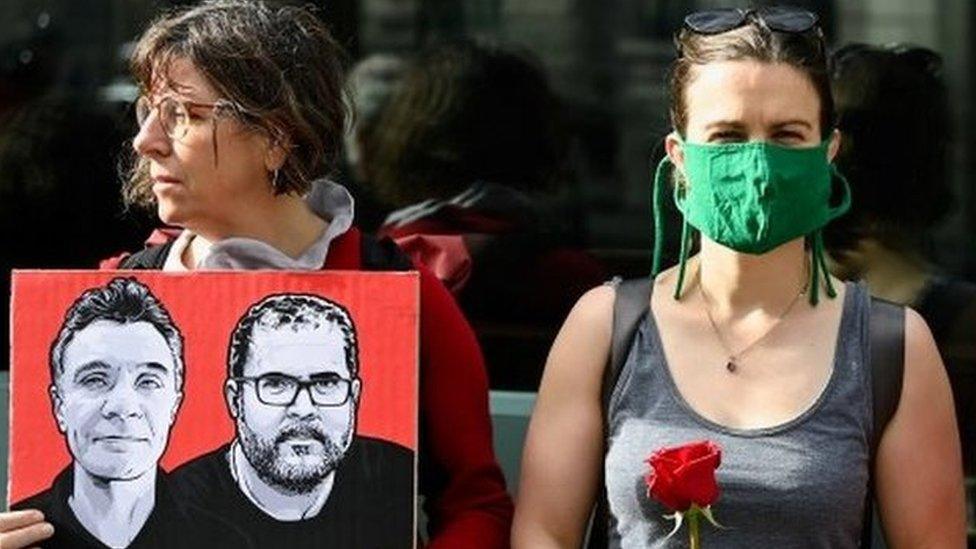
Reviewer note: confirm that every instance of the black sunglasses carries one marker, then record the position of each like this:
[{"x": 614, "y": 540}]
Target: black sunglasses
[{"x": 776, "y": 18}]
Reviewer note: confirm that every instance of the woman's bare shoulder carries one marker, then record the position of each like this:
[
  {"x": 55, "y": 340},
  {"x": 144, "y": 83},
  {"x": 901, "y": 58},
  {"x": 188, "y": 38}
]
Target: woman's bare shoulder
[{"x": 580, "y": 350}]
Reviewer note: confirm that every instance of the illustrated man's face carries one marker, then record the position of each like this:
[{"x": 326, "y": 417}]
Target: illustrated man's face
[
  {"x": 116, "y": 398},
  {"x": 294, "y": 443}
]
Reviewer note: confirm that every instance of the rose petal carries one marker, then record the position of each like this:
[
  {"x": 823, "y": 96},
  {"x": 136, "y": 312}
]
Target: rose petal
[
  {"x": 660, "y": 486},
  {"x": 696, "y": 482},
  {"x": 682, "y": 475}
]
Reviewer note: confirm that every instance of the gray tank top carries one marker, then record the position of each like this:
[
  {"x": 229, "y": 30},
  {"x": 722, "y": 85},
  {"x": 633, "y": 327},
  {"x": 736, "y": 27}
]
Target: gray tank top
[{"x": 798, "y": 484}]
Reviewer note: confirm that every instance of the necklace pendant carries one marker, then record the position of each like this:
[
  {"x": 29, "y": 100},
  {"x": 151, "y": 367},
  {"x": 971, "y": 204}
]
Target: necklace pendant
[{"x": 731, "y": 366}]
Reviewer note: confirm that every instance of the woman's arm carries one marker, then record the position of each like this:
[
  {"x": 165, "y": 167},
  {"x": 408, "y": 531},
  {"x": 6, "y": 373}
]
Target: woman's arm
[
  {"x": 563, "y": 452},
  {"x": 919, "y": 471}
]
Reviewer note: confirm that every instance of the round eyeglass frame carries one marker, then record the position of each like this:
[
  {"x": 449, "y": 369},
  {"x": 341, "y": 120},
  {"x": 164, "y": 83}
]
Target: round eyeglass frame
[{"x": 172, "y": 127}]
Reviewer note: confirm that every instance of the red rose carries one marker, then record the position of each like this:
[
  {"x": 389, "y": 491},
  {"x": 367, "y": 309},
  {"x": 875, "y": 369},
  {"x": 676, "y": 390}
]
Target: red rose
[{"x": 684, "y": 475}]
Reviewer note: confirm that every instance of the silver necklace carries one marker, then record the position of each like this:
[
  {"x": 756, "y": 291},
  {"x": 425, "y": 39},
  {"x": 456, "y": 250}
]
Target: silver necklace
[{"x": 732, "y": 364}]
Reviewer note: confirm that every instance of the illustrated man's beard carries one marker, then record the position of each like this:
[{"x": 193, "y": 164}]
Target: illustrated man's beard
[{"x": 264, "y": 455}]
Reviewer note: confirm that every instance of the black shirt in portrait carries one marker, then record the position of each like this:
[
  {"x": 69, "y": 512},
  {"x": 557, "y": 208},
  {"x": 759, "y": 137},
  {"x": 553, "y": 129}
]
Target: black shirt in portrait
[
  {"x": 171, "y": 523},
  {"x": 371, "y": 504}
]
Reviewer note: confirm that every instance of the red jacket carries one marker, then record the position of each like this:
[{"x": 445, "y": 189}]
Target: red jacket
[{"x": 466, "y": 502}]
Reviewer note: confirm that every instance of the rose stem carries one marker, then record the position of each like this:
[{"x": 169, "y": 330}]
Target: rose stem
[{"x": 693, "y": 539}]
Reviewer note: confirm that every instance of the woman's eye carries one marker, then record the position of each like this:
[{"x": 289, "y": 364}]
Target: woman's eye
[
  {"x": 788, "y": 137},
  {"x": 726, "y": 137}
]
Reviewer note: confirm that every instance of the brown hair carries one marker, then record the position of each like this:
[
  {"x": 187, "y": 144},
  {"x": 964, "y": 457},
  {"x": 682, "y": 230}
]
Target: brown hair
[
  {"x": 280, "y": 67},
  {"x": 466, "y": 111},
  {"x": 752, "y": 41}
]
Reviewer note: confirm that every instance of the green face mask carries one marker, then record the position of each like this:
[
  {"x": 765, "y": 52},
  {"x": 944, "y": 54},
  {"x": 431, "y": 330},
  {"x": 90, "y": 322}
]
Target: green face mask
[{"x": 752, "y": 197}]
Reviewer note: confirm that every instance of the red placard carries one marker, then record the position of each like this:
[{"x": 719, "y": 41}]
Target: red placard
[{"x": 206, "y": 306}]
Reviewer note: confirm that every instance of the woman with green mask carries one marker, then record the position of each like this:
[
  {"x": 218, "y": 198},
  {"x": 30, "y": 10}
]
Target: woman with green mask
[{"x": 750, "y": 343}]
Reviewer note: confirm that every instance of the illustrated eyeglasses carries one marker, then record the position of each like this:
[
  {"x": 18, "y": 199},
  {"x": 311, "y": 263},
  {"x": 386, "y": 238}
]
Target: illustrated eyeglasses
[
  {"x": 777, "y": 18},
  {"x": 282, "y": 390},
  {"x": 176, "y": 116}
]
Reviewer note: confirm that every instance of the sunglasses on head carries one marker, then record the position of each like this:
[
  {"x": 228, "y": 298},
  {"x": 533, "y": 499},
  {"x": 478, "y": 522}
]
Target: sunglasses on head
[{"x": 776, "y": 18}]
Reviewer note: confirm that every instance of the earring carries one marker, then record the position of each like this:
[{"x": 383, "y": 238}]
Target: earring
[{"x": 274, "y": 179}]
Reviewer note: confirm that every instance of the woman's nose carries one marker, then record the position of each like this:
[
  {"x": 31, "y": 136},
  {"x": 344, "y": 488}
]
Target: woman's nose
[{"x": 151, "y": 141}]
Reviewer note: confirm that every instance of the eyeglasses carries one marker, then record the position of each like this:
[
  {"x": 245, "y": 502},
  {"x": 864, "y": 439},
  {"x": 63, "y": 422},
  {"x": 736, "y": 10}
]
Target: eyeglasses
[
  {"x": 776, "y": 18},
  {"x": 282, "y": 390},
  {"x": 176, "y": 116}
]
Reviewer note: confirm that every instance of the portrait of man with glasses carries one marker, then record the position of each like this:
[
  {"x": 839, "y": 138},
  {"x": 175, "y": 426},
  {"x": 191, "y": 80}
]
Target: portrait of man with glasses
[{"x": 296, "y": 474}]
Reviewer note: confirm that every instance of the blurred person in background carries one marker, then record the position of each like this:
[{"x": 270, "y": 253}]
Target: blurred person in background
[
  {"x": 470, "y": 151},
  {"x": 370, "y": 84},
  {"x": 893, "y": 112}
]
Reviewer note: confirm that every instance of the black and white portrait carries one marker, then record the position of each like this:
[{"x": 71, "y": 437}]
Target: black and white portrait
[
  {"x": 296, "y": 474},
  {"x": 117, "y": 371}
]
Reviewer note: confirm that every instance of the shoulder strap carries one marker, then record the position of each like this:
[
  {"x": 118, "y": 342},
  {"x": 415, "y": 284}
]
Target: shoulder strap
[
  {"x": 887, "y": 352},
  {"x": 887, "y": 362},
  {"x": 151, "y": 258},
  {"x": 383, "y": 255},
  {"x": 630, "y": 304}
]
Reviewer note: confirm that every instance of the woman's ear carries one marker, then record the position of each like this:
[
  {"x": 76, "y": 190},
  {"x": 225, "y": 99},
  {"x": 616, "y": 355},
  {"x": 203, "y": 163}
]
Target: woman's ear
[
  {"x": 277, "y": 152},
  {"x": 673, "y": 147},
  {"x": 834, "y": 146}
]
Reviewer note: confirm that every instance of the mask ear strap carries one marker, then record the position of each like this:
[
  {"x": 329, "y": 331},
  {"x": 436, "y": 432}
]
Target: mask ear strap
[
  {"x": 814, "y": 271},
  {"x": 683, "y": 259},
  {"x": 818, "y": 264},
  {"x": 658, "y": 209},
  {"x": 822, "y": 257},
  {"x": 845, "y": 201}
]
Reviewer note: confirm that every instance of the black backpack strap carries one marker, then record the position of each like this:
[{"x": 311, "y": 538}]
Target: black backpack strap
[
  {"x": 887, "y": 352},
  {"x": 630, "y": 304},
  {"x": 376, "y": 255},
  {"x": 383, "y": 255},
  {"x": 151, "y": 258}
]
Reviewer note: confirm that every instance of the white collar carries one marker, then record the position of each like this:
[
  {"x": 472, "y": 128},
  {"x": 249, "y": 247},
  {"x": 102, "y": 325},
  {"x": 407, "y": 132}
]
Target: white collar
[{"x": 328, "y": 199}]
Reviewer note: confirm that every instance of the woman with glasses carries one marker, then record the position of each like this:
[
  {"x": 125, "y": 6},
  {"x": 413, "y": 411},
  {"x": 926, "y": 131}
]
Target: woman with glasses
[
  {"x": 241, "y": 118},
  {"x": 750, "y": 343}
]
